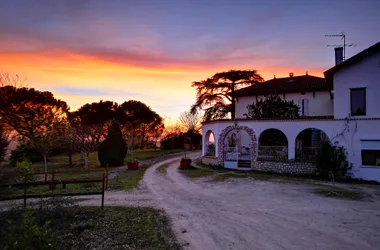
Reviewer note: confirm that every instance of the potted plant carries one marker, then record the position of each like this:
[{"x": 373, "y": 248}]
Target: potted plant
[{"x": 185, "y": 162}]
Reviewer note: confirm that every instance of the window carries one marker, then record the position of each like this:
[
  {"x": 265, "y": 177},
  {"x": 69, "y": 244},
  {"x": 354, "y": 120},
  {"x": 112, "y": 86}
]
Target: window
[
  {"x": 371, "y": 157},
  {"x": 358, "y": 101},
  {"x": 304, "y": 107}
]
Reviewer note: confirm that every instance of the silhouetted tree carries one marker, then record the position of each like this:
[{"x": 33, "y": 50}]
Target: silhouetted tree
[
  {"x": 215, "y": 94},
  {"x": 272, "y": 107},
  {"x": 137, "y": 119},
  {"x": 113, "y": 150},
  {"x": 97, "y": 115},
  {"x": 190, "y": 121},
  {"x": 32, "y": 114}
]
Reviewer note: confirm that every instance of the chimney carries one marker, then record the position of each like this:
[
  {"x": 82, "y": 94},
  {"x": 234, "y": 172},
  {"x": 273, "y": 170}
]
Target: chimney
[
  {"x": 291, "y": 74},
  {"x": 338, "y": 55}
]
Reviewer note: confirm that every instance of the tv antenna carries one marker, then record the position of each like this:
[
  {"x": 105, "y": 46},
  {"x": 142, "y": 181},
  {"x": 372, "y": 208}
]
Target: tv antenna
[{"x": 343, "y": 37}]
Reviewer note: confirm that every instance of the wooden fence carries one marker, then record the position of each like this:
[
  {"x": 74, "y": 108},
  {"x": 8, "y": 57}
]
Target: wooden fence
[{"x": 53, "y": 182}]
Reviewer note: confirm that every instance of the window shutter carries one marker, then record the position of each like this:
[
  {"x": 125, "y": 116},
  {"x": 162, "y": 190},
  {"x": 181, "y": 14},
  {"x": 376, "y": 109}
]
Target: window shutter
[
  {"x": 306, "y": 107},
  {"x": 300, "y": 105}
]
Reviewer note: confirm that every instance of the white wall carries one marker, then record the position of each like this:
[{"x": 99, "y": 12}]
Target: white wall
[
  {"x": 351, "y": 139},
  {"x": 363, "y": 74},
  {"x": 320, "y": 103}
]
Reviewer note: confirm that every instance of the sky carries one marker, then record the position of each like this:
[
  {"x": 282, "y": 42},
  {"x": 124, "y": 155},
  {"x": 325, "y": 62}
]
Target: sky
[{"x": 152, "y": 50}]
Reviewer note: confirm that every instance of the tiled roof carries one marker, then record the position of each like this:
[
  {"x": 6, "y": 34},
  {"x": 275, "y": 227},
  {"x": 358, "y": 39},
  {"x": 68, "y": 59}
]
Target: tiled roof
[
  {"x": 301, "y": 118},
  {"x": 293, "y": 84},
  {"x": 352, "y": 60}
]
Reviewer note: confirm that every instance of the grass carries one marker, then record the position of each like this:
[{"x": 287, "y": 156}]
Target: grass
[
  {"x": 129, "y": 179},
  {"x": 111, "y": 228},
  {"x": 339, "y": 192},
  {"x": 194, "y": 172},
  {"x": 162, "y": 168}
]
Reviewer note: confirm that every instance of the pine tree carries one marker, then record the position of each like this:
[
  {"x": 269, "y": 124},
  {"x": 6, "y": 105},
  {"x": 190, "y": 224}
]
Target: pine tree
[{"x": 113, "y": 150}]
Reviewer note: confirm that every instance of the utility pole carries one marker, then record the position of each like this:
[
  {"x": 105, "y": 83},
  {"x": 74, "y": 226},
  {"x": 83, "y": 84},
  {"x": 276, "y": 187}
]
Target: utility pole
[{"x": 343, "y": 37}]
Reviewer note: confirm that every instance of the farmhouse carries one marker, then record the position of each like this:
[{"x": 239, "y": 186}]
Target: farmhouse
[{"x": 343, "y": 107}]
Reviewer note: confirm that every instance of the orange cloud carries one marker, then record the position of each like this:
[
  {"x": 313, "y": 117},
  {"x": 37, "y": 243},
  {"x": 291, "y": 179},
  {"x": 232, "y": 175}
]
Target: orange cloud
[{"x": 167, "y": 89}]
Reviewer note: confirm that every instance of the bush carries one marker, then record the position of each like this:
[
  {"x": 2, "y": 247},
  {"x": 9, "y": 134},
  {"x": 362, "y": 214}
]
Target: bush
[
  {"x": 332, "y": 161},
  {"x": 27, "y": 234},
  {"x": 25, "y": 151},
  {"x": 23, "y": 169},
  {"x": 114, "y": 149}
]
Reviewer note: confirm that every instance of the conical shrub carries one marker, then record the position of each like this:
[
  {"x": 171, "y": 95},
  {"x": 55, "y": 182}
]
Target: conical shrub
[{"x": 113, "y": 150}]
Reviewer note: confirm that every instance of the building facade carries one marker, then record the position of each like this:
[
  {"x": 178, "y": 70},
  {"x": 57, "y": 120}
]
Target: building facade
[{"x": 342, "y": 108}]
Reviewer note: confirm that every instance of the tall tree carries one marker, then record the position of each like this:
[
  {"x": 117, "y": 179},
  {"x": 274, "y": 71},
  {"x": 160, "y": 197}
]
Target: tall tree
[
  {"x": 272, "y": 107},
  {"x": 190, "y": 121},
  {"x": 136, "y": 118},
  {"x": 215, "y": 94},
  {"x": 32, "y": 114},
  {"x": 97, "y": 115}
]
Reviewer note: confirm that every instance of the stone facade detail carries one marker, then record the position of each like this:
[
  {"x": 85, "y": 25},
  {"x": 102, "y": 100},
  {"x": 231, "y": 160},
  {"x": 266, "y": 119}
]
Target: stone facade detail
[
  {"x": 211, "y": 160},
  {"x": 285, "y": 167},
  {"x": 228, "y": 129}
]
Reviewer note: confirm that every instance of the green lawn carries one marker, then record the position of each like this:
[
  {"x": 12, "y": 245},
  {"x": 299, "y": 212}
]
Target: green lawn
[{"x": 93, "y": 228}]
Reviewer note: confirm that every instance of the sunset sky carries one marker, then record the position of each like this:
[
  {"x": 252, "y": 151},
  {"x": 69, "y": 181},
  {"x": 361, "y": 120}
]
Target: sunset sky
[{"x": 151, "y": 50}]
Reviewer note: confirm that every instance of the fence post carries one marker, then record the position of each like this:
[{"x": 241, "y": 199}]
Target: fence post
[
  {"x": 25, "y": 191},
  {"x": 104, "y": 175},
  {"x": 107, "y": 176}
]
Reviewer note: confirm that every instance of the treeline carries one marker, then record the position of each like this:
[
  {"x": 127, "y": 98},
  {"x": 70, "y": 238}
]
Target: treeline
[{"x": 46, "y": 124}]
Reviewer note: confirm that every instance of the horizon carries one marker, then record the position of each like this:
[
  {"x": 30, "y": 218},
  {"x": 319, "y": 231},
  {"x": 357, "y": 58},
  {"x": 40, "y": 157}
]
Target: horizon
[{"x": 88, "y": 50}]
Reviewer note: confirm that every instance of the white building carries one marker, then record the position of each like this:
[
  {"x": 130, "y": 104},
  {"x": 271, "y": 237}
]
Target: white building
[{"x": 344, "y": 108}]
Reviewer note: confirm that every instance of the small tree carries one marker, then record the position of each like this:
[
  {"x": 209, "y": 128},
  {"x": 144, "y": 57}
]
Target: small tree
[
  {"x": 332, "y": 161},
  {"x": 114, "y": 149},
  {"x": 272, "y": 107}
]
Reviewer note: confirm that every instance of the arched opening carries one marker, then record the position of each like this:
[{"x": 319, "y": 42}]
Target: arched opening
[
  {"x": 209, "y": 143},
  {"x": 273, "y": 145},
  {"x": 238, "y": 145},
  {"x": 308, "y": 142}
]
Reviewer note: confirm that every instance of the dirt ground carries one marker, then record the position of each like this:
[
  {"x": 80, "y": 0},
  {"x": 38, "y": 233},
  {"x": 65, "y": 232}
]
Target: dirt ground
[{"x": 252, "y": 214}]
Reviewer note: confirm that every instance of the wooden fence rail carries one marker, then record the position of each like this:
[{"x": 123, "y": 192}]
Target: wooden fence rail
[{"x": 53, "y": 183}]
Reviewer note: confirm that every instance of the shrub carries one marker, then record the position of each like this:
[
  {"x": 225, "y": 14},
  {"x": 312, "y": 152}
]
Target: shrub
[
  {"x": 24, "y": 168},
  {"x": 25, "y": 151},
  {"x": 114, "y": 149},
  {"x": 332, "y": 161},
  {"x": 27, "y": 234}
]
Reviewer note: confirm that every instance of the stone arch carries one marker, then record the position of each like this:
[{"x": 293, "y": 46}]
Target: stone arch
[
  {"x": 209, "y": 140},
  {"x": 227, "y": 130},
  {"x": 307, "y": 142}
]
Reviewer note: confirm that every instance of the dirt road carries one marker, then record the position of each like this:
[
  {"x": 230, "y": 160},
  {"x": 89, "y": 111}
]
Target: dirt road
[{"x": 251, "y": 214}]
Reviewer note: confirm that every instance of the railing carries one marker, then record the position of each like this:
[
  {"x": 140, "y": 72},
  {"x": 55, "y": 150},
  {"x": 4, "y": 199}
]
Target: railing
[
  {"x": 272, "y": 153},
  {"x": 308, "y": 154}
]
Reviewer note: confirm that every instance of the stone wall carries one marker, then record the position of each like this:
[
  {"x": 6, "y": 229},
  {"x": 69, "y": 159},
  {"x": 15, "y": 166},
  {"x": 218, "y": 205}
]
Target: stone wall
[
  {"x": 286, "y": 167},
  {"x": 210, "y": 160}
]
